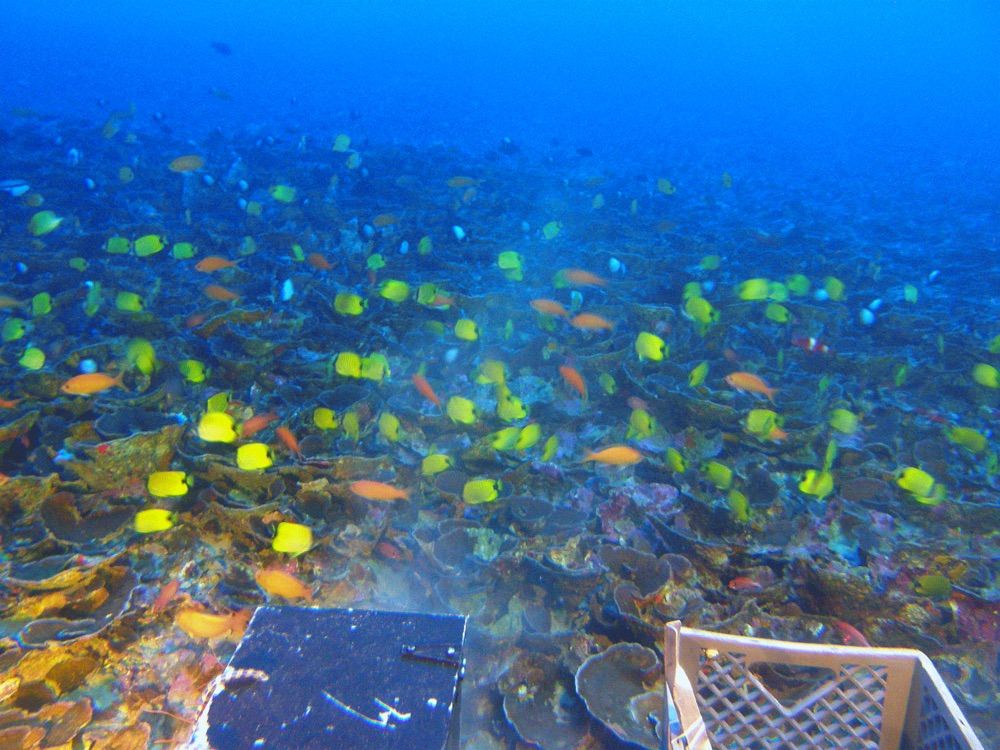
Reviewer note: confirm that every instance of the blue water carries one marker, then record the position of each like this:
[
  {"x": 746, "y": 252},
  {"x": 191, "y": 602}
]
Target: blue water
[
  {"x": 897, "y": 103},
  {"x": 830, "y": 81}
]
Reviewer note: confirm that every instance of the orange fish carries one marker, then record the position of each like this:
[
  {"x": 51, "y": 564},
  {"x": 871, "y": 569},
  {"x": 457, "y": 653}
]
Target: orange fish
[
  {"x": 7, "y": 302},
  {"x": 634, "y": 402},
  {"x": 744, "y": 583},
  {"x": 421, "y": 384},
  {"x": 548, "y": 307},
  {"x": 579, "y": 277},
  {"x": 615, "y": 455},
  {"x": 220, "y": 293},
  {"x": 256, "y": 423},
  {"x": 186, "y": 163},
  {"x": 370, "y": 490},
  {"x": 392, "y": 551},
  {"x": 277, "y": 582},
  {"x": 318, "y": 261},
  {"x": 288, "y": 440},
  {"x": 10, "y": 403},
  {"x": 166, "y": 595},
  {"x": 747, "y": 381},
  {"x": 114, "y": 122},
  {"x": 91, "y": 383},
  {"x": 574, "y": 380},
  {"x": 441, "y": 300},
  {"x": 211, "y": 263},
  {"x": 384, "y": 220},
  {"x": 777, "y": 434},
  {"x": 591, "y": 322},
  {"x": 850, "y": 634},
  {"x": 199, "y": 624}
]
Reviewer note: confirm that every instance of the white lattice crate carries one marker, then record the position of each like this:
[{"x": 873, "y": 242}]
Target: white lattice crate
[{"x": 736, "y": 693}]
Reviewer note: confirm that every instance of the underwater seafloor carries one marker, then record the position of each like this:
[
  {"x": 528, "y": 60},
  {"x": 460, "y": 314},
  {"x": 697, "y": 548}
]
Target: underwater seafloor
[{"x": 267, "y": 302}]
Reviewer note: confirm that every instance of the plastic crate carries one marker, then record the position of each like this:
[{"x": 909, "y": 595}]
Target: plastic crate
[{"x": 732, "y": 692}]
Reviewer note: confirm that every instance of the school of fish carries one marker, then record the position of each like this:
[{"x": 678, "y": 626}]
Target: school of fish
[{"x": 328, "y": 372}]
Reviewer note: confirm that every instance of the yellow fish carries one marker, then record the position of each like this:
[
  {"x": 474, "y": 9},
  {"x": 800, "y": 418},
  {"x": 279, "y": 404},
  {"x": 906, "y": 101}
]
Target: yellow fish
[
  {"x": 44, "y": 222},
  {"x": 968, "y": 438},
  {"x": 374, "y": 367},
  {"x": 346, "y": 303},
  {"x": 388, "y": 426},
  {"x": 352, "y": 426},
  {"x": 550, "y": 449},
  {"x": 435, "y": 463},
  {"x": 192, "y": 370},
  {"x": 348, "y": 365},
  {"x": 505, "y": 439},
  {"x": 551, "y": 230},
  {"x": 528, "y": 436},
  {"x": 986, "y": 375},
  {"x": 466, "y": 330},
  {"x": 14, "y": 329},
  {"x": 152, "y": 520},
  {"x": 148, "y": 244},
  {"x": 167, "y": 483},
  {"x": 650, "y": 347},
  {"x": 253, "y": 456},
  {"x": 481, "y": 490},
  {"x": 834, "y": 288},
  {"x": 924, "y": 488},
  {"x": 217, "y": 427},
  {"x": 718, "y": 474},
  {"x": 641, "y": 425},
  {"x": 798, "y": 284},
  {"x": 509, "y": 407},
  {"x": 817, "y": 483},
  {"x": 394, "y": 290},
  {"x": 700, "y": 310},
  {"x": 32, "y": 359},
  {"x": 41, "y": 304},
  {"x": 760, "y": 422},
  {"x": 129, "y": 302},
  {"x": 510, "y": 262},
  {"x": 282, "y": 193},
  {"x": 739, "y": 506},
  {"x": 324, "y": 418},
  {"x": 752, "y": 290},
  {"x": 777, "y": 313},
  {"x": 492, "y": 372},
  {"x": 293, "y": 538},
  {"x": 698, "y": 374},
  {"x": 461, "y": 410},
  {"x": 844, "y": 421},
  {"x": 141, "y": 355}
]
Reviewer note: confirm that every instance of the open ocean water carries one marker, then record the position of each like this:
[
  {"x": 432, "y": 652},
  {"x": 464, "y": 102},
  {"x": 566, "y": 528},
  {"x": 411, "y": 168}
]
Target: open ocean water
[{"x": 573, "y": 318}]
